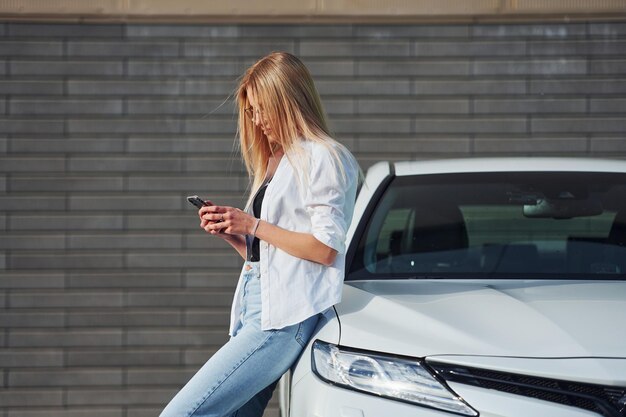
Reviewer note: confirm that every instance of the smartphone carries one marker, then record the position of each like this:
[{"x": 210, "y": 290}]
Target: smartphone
[{"x": 197, "y": 201}]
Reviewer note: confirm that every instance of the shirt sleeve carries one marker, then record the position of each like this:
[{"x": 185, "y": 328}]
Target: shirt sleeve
[{"x": 326, "y": 196}]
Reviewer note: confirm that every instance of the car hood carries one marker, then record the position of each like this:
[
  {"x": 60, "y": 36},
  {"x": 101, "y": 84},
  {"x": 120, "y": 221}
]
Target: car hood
[{"x": 515, "y": 318}]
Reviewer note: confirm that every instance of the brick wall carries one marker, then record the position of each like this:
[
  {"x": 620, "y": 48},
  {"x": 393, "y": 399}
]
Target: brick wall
[{"x": 111, "y": 296}]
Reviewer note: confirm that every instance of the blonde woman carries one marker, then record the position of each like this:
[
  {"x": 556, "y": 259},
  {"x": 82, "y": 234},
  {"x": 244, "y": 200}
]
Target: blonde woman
[{"x": 291, "y": 236}]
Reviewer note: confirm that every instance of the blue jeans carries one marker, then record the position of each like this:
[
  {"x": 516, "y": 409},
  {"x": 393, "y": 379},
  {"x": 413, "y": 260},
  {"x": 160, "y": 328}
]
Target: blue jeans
[{"x": 238, "y": 380}]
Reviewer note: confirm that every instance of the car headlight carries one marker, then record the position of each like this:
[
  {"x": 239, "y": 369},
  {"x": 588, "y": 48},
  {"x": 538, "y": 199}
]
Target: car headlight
[{"x": 386, "y": 376}]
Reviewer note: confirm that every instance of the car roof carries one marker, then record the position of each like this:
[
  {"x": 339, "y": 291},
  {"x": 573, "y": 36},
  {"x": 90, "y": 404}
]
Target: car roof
[{"x": 508, "y": 164}]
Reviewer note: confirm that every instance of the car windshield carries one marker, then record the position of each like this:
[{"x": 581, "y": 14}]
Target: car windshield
[{"x": 527, "y": 225}]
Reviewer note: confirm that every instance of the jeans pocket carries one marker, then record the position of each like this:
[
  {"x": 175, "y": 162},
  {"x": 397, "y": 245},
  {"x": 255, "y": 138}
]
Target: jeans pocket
[
  {"x": 305, "y": 330},
  {"x": 299, "y": 336}
]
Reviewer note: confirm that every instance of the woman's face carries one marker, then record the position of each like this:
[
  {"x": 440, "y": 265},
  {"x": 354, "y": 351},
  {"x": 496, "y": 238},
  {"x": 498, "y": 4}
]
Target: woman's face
[{"x": 259, "y": 118}]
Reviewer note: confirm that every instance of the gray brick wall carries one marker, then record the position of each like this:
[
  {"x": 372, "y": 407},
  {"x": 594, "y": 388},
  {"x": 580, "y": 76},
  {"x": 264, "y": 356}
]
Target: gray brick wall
[{"x": 110, "y": 295}]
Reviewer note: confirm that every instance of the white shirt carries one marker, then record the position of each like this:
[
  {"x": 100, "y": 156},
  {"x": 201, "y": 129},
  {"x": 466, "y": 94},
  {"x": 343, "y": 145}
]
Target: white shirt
[{"x": 293, "y": 289}]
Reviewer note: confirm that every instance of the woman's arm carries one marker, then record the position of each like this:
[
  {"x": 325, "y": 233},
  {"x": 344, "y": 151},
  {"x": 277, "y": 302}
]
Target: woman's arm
[
  {"x": 235, "y": 222},
  {"x": 237, "y": 242},
  {"x": 301, "y": 245}
]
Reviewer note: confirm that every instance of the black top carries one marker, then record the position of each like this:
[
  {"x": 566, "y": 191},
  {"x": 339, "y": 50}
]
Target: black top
[{"x": 256, "y": 209}]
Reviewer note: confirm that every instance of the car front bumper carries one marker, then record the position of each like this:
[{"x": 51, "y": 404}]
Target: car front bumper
[{"x": 312, "y": 397}]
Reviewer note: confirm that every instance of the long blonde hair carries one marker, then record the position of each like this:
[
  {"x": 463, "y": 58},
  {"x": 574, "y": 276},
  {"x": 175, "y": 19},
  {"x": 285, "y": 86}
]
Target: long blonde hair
[{"x": 284, "y": 88}]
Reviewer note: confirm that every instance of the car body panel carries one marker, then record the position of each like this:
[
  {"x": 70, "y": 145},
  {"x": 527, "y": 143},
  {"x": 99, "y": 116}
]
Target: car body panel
[
  {"x": 538, "y": 319},
  {"x": 312, "y": 397},
  {"x": 513, "y": 164}
]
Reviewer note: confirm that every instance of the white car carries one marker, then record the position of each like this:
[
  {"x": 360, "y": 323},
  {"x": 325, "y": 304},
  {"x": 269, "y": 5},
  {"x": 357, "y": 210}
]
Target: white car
[{"x": 476, "y": 287}]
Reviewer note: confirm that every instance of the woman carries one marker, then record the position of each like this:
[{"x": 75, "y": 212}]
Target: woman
[{"x": 291, "y": 236}]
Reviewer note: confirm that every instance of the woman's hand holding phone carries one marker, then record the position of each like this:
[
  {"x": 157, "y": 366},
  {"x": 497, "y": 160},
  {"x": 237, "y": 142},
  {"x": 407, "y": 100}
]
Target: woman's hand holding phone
[
  {"x": 202, "y": 205},
  {"x": 208, "y": 209},
  {"x": 235, "y": 221}
]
